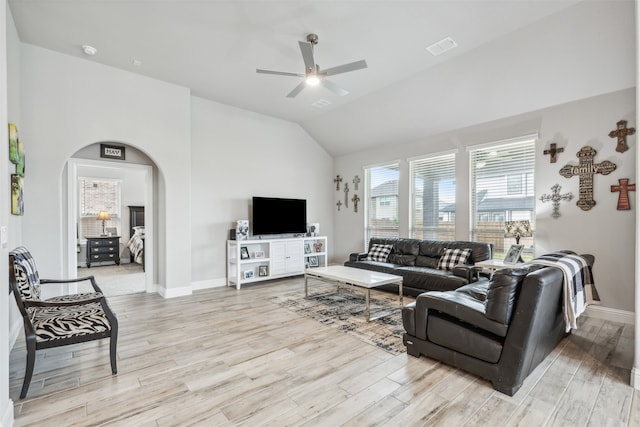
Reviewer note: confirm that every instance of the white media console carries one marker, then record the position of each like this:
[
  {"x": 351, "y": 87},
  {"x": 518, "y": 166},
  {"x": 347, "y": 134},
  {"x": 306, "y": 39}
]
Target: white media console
[{"x": 264, "y": 259}]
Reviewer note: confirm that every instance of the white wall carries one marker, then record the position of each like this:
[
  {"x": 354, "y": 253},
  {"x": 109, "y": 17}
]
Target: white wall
[
  {"x": 603, "y": 231},
  {"x": 68, "y": 103},
  {"x": 237, "y": 154}
]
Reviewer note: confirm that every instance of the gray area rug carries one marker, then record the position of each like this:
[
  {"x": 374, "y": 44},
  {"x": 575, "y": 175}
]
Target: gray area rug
[{"x": 345, "y": 312}]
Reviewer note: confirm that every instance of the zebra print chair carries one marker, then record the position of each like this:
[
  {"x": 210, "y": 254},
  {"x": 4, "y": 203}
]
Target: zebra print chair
[{"x": 64, "y": 320}]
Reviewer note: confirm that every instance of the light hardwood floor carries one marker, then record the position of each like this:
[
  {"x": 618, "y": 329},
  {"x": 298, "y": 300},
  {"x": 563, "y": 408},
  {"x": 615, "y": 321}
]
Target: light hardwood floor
[{"x": 226, "y": 357}]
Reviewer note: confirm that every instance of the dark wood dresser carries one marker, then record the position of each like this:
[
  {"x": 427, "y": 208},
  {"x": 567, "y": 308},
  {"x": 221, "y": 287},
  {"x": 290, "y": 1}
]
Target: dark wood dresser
[{"x": 101, "y": 249}]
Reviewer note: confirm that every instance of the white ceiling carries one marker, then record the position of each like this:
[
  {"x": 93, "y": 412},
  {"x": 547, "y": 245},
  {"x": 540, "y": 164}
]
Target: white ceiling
[{"x": 213, "y": 48}]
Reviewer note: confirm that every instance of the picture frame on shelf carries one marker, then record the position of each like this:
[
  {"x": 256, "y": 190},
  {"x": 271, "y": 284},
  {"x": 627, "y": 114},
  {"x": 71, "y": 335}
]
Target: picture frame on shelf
[
  {"x": 258, "y": 254},
  {"x": 263, "y": 270},
  {"x": 248, "y": 274},
  {"x": 307, "y": 248},
  {"x": 244, "y": 252},
  {"x": 313, "y": 261},
  {"x": 513, "y": 254},
  {"x": 317, "y": 246}
]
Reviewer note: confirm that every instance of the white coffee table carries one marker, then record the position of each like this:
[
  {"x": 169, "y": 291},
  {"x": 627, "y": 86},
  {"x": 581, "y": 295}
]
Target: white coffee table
[{"x": 357, "y": 277}]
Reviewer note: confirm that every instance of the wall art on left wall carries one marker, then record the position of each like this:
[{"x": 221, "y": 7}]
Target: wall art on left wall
[
  {"x": 14, "y": 156},
  {"x": 17, "y": 195}
]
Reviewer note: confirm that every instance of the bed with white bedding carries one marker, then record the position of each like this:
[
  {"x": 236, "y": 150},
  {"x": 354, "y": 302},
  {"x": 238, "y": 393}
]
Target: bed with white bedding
[{"x": 137, "y": 233}]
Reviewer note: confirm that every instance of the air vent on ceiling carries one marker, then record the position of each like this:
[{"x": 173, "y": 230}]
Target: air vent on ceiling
[
  {"x": 321, "y": 103},
  {"x": 442, "y": 46}
]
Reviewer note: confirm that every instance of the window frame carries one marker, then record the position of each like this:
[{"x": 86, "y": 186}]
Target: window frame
[{"x": 370, "y": 231}]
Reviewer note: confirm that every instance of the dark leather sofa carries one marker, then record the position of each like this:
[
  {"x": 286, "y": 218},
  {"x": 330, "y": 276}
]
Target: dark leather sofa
[
  {"x": 417, "y": 262},
  {"x": 499, "y": 329}
]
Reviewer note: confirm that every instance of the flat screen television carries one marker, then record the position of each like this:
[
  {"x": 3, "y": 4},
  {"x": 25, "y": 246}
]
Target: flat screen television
[{"x": 272, "y": 215}]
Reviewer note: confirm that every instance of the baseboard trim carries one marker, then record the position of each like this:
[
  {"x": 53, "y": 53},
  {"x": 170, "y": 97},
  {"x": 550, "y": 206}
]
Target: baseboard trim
[
  {"x": 635, "y": 378},
  {"x": 7, "y": 415},
  {"x": 208, "y": 284},
  {"x": 611, "y": 314},
  {"x": 174, "y": 292}
]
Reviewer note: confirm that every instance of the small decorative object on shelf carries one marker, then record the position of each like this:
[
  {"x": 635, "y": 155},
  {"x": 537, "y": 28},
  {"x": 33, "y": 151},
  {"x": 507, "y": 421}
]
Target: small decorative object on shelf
[
  {"x": 623, "y": 197},
  {"x": 314, "y": 229},
  {"x": 346, "y": 194},
  {"x": 339, "y": 204},
  {"x": 586, "y": 169},
  {"x": 555, "y": 198},
  {"x": 337, "y": 180},
  {"x": 621, "y": 133},
  {"x": 313, "y": 261},
  {"x": 355, "y": 199},
  {"x": 242, "y": 229},
  {"x": 248, "y": 274},
  {"x": 553, "y": 151},
  {"x": 263, "y": 270},
  {"x": 244, "y": 253},
  {"x": 356, "y": 181},
  {"x": 317, "y": 246},
  {"x": 307, "y": 248},
  {"x": 258, "y": 254}
]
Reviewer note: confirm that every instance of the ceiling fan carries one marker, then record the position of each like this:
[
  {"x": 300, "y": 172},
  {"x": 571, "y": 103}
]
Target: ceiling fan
[{"x": 313, "y": 74}]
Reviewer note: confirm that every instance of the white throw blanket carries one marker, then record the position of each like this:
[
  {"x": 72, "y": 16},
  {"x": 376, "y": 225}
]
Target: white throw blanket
[{"x": 578, "y": 287}]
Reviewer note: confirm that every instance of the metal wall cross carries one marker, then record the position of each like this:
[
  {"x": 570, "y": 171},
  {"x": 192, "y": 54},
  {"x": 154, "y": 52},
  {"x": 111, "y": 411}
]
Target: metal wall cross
[
  {"x": 553, "y": 151},
  {"x": 356, "y": 181},
  {"x": 621, "y": 133},
  {"x": 623, "y": 197},
  {"x": 346, "y": 194},
  {"x": 339, "y": 204},
  {"x": 585, "y": 170},
  {"x": 338, "y": 180},
  {"x": 555, "y": 197},
  {"x": 355, "y": 199}
]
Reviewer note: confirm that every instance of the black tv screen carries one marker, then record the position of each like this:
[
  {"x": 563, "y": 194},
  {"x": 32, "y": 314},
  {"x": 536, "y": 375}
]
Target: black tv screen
[{"x": 273, "y": 215}]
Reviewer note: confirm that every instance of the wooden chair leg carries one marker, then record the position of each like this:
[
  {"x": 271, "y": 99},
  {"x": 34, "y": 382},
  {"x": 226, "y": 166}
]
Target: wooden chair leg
[
  {"x": 113, "y": 343},
  {"x": 31, "y": 361}
]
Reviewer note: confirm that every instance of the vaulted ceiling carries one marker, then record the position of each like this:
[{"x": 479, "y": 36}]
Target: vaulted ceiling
[{"x": 214, "y": 47}]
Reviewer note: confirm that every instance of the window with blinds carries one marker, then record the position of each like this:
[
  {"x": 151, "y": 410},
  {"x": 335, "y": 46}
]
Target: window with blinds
[
  {"x": 502, "y": 189},
  {"x": 381, "y": 201},
  {"x": 433, "y": 197}
]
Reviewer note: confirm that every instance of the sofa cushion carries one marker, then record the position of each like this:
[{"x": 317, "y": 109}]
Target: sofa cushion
[
  {"x": 502, "y": 293},
  {"x": 427, "y": 261},
  {"x": 432, "y": 248},
  {"x": 452, "y": 257},
  {"x": 402, "y": 259},
  {"x": 379, "y": 252},
  {"x": 429, "y": 279},
  {"x": 453, "y": 334}
]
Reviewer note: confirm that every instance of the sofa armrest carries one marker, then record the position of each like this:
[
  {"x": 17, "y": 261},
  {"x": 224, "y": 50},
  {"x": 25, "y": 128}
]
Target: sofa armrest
[
  {"x": 467, "y": 271},
  {"x": 357, "y": 256}
]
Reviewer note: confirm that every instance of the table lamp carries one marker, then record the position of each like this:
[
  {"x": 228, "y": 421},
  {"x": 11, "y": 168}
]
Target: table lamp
[
  {"x": 518, "y": 229},
  {"x": 103, "y": 216}
]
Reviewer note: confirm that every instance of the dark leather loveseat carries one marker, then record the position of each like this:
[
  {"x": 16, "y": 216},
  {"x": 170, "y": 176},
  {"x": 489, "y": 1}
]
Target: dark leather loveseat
[
  {"x": 417, "y": 262},
  {"x": 499, "y": 329}
]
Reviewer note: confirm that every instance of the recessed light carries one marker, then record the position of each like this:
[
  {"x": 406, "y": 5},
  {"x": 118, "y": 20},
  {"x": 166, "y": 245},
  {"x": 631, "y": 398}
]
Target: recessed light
[
  {"x": 442, "y": 46},
  {"x": 89, "y": 50}
]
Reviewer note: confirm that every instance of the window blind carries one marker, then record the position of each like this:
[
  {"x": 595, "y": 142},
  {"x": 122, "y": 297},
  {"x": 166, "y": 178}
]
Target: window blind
[
  {"x": 433, "y": 197},
  {"x": 381, "y": 201},
  {"x": 502, "y": 189}
]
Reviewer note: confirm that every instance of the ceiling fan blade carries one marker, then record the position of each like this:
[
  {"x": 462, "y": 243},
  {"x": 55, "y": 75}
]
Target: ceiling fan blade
[
  {"x": 307, "y": 56},
  {"x": 352, "y": 66},
  {"x": 296, "y": 90},
  {"x": 333, "y": 87},
  {"x": 279, "y": 73}
]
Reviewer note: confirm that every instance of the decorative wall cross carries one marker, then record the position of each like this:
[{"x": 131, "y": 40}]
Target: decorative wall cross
[
  {"x": 555, "y": 199},
  {"x": 553, "y": 151},
  {"x": 356, "y": 181},
  {"x": 337, "y": 180},
  {"x": 585, "y": 170},
  {"x": 339, "y": 204},
  {"x": 346, "y": 194},
  {"x": 621, "y": 133},
  {"x": 623, "y": 197},
  {"x": 355, "y": 199}
]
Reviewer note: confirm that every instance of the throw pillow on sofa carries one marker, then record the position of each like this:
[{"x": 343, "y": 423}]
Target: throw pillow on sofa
[
  {"x": 379, "y": 252},
  {"x": 452, "y": 257}
]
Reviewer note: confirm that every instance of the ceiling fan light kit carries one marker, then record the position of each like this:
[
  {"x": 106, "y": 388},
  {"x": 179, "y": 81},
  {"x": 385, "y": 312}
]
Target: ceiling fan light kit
[{"x": 314, "y": 75}]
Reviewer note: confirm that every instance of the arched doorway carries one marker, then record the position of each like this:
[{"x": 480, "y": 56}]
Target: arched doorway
[{"x": 75, "y": 167}]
